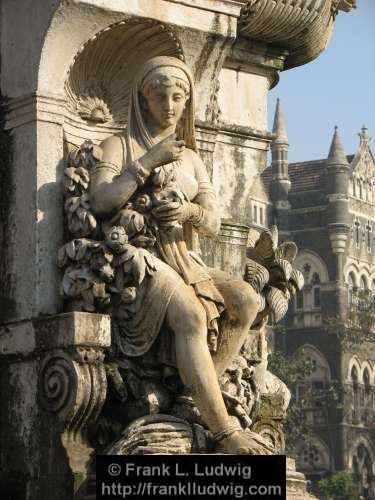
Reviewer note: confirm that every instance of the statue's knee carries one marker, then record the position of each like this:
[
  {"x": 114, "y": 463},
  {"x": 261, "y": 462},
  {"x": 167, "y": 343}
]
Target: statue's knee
[{"x": 246, "y": 303}]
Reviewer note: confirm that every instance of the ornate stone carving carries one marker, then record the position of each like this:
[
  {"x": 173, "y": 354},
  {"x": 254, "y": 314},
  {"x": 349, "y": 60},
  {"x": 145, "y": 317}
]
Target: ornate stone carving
[
  {"x": 100, "y": 78},
  {"x": 73, "y": 385},
  {"x": 303, "y": 28},
  {"x": 134, "y": 251},
  {"x": 269, "y": 271},
  {"x": 92, "y": 107}
]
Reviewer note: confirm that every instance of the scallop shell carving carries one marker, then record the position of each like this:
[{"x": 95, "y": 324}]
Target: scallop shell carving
[
  {"x": 287, "y": 250},
  {"x": 277, "y": 302},
  {"x": 261, "y": 302},
  {"x": 286, "y": 267},
  {"x": 256, "y": 275},
  {"x": 266, "y": 245},
  {"x": 109, "y": 61},
  {"x": 91, "y": 106},
  {"x": 297, "y": 279}
]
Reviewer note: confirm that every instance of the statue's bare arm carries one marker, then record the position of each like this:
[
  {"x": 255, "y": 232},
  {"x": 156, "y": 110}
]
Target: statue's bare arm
[
  {"x": 113, "y": 183},
  {"x": 206, "y": 198},
  {"x": 110, "y": 187}
]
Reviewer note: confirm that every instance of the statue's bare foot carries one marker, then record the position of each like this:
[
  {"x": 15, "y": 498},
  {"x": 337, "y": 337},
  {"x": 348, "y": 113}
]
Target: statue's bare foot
[{"x": 244, "y": 443}]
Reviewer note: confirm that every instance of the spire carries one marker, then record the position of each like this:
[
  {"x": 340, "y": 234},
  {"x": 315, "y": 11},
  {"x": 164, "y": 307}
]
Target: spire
[
  {"x": 364, "y": 137},
  {"x": 279, "y": 127},
  {"x": 336, "y": 153}
]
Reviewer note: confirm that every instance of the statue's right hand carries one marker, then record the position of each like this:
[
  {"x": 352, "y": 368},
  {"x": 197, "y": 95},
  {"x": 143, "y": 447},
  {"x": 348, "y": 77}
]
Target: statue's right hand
[{"x": 168, "y": 150}]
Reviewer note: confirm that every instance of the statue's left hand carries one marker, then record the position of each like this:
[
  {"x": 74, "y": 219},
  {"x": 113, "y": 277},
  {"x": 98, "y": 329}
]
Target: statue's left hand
[{"x": 170, "y": 212}]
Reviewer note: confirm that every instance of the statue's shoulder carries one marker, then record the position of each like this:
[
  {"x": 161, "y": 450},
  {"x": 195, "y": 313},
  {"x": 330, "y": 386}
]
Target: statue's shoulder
[{"x": 114, "y": 149}]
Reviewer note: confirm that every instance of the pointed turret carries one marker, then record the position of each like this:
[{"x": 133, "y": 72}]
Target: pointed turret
[
  {"x": 364, "y": 137},
  {"x": 280, "y": 185},
  {"x": 280, "y": 146},
  {"x": 336, "y": 153},
  {"x": 338, "y": 218},
  {"x": 279, "y": 128}
]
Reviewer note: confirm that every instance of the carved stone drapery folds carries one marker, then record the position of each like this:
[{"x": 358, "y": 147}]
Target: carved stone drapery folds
[{"x": 72, "y": 379}]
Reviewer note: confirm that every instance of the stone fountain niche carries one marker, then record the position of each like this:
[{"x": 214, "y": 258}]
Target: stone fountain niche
[{"x": 100, "y": 77}]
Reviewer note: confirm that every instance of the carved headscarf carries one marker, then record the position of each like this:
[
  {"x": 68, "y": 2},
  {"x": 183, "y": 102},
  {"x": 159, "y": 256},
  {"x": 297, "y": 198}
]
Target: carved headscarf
[{"x": 156, "y": 70}]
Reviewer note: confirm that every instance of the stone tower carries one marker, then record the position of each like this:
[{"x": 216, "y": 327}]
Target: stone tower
[
  {"x": 338, "y": 223},
  {"x": 280, "y": 184}
]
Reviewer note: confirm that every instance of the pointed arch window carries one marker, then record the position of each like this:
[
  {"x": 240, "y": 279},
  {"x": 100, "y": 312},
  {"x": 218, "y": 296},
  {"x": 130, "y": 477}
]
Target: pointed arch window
[
  {"x": 354, "y": 376},
  {"x": 367, "y": 389},
  {"x": 351, "y": 288}
]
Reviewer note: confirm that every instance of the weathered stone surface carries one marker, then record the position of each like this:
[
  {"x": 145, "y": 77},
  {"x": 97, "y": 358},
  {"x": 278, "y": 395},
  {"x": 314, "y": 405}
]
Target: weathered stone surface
[{"x": 53, "y": 104}]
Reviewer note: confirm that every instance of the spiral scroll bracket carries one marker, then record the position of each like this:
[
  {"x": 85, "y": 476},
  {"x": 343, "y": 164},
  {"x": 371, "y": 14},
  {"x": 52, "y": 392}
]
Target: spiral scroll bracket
[{"x": 72, "y": 385}]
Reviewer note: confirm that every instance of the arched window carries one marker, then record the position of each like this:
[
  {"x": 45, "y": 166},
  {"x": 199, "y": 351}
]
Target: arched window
[
  {"x": 362, "y": 468},
  {"x": 315, "y": 282},
  {"x": 309, "y": 301},
  {"x": 354, "y": 376},
  {"x": 351, "y": 288},
  {"x": 312, "y": 389}
]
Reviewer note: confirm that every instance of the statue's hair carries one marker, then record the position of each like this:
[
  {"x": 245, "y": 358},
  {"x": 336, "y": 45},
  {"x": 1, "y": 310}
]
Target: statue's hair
[{"x": 166, "y": 82}]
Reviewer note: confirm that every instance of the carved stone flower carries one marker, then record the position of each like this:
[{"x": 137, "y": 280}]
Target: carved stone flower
[
  {"x": 132, "y": 221},
  {"x": 143, "y": 203},
  {"x": 116, "y": 239}
]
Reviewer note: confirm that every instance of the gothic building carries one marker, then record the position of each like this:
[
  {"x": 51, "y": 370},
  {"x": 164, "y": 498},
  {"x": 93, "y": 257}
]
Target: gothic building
[{"x": 327, "y": 207}]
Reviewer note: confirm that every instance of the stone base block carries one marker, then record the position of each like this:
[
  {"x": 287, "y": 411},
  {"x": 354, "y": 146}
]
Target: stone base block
[{"x": 296, "y": 484}]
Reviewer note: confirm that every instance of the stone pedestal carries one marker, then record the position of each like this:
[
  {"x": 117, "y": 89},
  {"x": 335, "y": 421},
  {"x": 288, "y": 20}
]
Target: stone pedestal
[
  {"x": 296, "y": 484},
  {"x": 228, "y": 250},
  {"x": 53, "y": 386}
]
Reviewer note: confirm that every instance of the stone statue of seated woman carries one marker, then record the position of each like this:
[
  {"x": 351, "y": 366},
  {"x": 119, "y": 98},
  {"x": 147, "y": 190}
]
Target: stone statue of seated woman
[{"x": 148, "y": 192}]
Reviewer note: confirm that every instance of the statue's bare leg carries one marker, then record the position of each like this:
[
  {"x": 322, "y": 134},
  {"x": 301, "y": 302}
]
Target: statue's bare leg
[
  {"x": 241, "y": 308},
  {"x": 187, "y": 318}
]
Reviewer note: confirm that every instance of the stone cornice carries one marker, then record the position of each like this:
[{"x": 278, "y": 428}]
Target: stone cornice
[
  {"x": 229, "y": 7},
  {"x": 160, "y": 8},
  {"x": 34, "y": 107},
  {"x": 246, "y": 132},
  {"x": 302, "y": 27}
]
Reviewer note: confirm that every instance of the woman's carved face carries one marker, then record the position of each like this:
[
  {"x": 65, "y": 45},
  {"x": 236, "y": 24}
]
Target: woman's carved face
[{"x": 165, "y": 104}]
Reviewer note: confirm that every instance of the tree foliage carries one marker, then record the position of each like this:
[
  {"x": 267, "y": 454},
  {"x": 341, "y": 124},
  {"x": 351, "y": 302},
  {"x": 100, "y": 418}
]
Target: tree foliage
[
  {"x": 292, "y": 370},
  {"x": 359, "y": 324},
  {"x": 340, "y": 486}
]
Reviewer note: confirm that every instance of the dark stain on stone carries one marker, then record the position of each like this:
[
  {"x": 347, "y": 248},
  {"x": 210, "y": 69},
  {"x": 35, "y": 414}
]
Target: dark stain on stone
[
  {"x": 239, "y": 172},
  {"x": 7, "y": 304},
  {"x": 207, "y": 49}
]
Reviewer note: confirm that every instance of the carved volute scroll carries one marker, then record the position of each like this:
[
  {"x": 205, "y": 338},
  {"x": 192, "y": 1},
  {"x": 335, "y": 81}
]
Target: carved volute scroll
[{"x": 72, "y": 379}]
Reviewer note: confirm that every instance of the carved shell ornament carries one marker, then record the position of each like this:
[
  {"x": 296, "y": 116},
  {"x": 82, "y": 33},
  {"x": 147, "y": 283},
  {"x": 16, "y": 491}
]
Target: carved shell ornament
[
  {"x": 270, "y": 272},
  {"x": 91, "y": 106}
]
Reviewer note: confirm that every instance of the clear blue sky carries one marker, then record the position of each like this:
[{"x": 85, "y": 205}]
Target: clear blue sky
[{"x": 337, "y": 88}]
